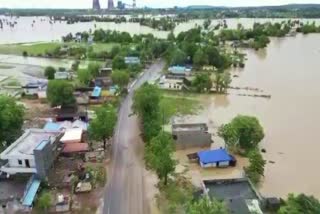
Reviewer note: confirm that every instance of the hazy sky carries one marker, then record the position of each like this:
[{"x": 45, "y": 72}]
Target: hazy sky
[{"x": 140, "y": 3}]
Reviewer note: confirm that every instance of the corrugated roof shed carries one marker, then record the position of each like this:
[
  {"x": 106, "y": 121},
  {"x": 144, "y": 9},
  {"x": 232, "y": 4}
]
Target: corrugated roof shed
[{"x": 214, "y": 156}]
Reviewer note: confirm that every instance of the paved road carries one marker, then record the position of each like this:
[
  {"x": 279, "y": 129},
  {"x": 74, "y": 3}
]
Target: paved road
[{"x": 125, "y": 189}]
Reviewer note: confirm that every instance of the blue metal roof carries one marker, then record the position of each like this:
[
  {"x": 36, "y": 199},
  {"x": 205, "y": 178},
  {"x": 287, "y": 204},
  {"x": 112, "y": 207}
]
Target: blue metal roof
[
  {"x": 51, "y": 126},
  {"x": 42, "y": 145},
  {"x": 177, "y": 69},
  {"x": 96, "y": 92},
  {"x": 214, "y": 156},
  {"x": 31, "y": 192}
]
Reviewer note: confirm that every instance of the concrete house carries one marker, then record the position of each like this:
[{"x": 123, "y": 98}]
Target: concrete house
[
  {"x": 191, "y": 135},
  {"x": 32, "y": 153},
  {"x": 171, "y": 83}
]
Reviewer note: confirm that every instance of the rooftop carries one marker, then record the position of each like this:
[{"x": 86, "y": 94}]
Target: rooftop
[
  {"x": 213, "y": 156},
  {"x": 190, "y": 127},
  {"x": 235, "y": 192},
  {"x": 28, "y": 142}
]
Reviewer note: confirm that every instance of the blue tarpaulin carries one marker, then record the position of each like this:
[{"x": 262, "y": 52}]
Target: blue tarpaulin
[
  {"x": 31, "y": 192},
  {"x": 50, "y": 126},
  {"x": 96, "y": 92},
  {"x": 214, "y": 156}
]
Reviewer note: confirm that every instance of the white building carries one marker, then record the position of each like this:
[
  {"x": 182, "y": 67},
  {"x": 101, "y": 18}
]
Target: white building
[
  {"x": 170, "y": 83},
  {"x": 33, "y": 152}
]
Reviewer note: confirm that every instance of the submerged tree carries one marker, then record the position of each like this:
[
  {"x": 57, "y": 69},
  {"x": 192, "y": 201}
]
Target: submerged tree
[
  {"x": 158, "y": 156},
  {"x": 243, "y": 131},
  {"x": 296, "y": 204},
  {"x": 256, "y": 168},
  {"x": 49, "y": 72},
  {"x": 102, "y": 127},
  {"x": 202, "y": 82}
]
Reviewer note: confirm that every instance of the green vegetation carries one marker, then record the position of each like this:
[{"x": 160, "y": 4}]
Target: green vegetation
[
  {"x": 296, "y": 204},
  {"x": 243, "y": 132},
  {"x": 32, "y": 48},
  {"x": 206, "y": 205},
  {"x": 11, "y": 117},
  {"x": 176, "y": 195},
  {"x": 49, "y": 72},
  {"x": 202, "y": 83},
  {"x": 118, "y": 63},
  {"x": 256, "y": 167},
  {"x": 222, "y": 81},
  {"x": 60, "y": 93},
  {"x": 6, "y": 66},
  {"x": 98, "y": 175},
  {"x": 176, "y": 105},
  {"x": 158, "y": 156},
  {"x": 146, "y": 104},
  {"x": 44, "y": 201},
  {"x": 101, "y": 128},
  {"x": 308, "y": 28},
  {"x": 120, "y": 78}
]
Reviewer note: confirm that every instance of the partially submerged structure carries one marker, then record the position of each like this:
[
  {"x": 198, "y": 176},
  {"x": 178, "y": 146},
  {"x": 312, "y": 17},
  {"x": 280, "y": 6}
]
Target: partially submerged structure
[
  {"x": 191, "y": 135},
  {"x": 171, "y": 83},
  {"x": 215, "y": 158},
  {"x": 239, "y": 195}
]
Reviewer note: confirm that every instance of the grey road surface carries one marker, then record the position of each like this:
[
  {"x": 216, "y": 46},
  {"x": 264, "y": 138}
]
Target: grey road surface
[{"x": 124, "y": 193}]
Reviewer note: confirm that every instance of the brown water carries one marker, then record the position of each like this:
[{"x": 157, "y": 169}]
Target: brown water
[
  {"x": 289, "y": 70},
  {"x": 41, "y": 30}
]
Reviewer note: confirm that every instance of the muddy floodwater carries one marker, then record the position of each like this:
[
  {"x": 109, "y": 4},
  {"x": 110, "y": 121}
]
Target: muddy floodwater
[{"x": 288, "y": 70}]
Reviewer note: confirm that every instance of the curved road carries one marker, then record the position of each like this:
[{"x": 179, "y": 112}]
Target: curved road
[{"x": 125, "y": 189}]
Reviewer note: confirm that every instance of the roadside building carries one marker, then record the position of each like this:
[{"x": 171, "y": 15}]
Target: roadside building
[
  {"x": 216, "y": 158},
  {"x": 62, "y": 75},
  {"x": 33, "y": 88},
  {"x": 179, "y": 71},
  {"x": 171, "y": 83},
  {"x": 32, "y": 153},
  {"x": 191, "y": 135},
  {"x": 131, "y": 60}
]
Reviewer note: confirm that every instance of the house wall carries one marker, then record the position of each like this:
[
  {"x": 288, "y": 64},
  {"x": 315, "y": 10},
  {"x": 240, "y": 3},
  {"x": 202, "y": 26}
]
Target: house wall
[
  {"x": 31, "y": 91},
  {"x": 189, "y": 139},
  {"x": 44, "y": 158},
  {"x": 15, "y": 163},
  {"x": 171, "y": 86}
]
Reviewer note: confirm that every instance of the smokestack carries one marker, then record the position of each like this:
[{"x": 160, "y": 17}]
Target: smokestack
[{"x": 96, "y": 5}]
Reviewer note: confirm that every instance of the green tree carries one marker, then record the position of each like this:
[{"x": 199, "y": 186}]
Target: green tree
[
  {"x": 102, "y": 127},
  {"x": 178, "y": 57},
  {"x": 120, "y": 78},
  {"x": 207, "y": 206},
  {"x": 94, "y": 69},
  {"x": 60, "y": 93},
  {"x": 222, "y": 81},
  {"x": 243, "y": 131},
  {"x": 118, "y": 63},
  {"x": 158, "y": 156},
  {"x": 206, "y": 24},
  {"x": 44, "y": 201},
  {"x": 11, "y": 120},
  {"x": 135, "y": 68},
  {"x": 202, "y": 83},
  {"x": 300, "y": 204},
  {"x": 200, "y": 58},
  {"x": 49, "y": 72},
  {"x": 146, "y": 104},
  {"x": 84, "y": 76},
  {"x": 256, "y": 167},
  {"x": 115, "y": 50}
]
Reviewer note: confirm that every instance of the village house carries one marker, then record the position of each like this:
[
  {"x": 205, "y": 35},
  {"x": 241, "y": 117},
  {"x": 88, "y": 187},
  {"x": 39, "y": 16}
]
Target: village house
[
  {"x": 179, "y": 71},
  {"x": 32, "y": 153},
  {"x": 33, "y": 88},
  {"x": 191, "y": 135},
  {"x": 130, "y": 60},
  {"x": 215, "y": 158},
  {"x": 62, "y": 75},
  {"x": 171, "y": 83}
]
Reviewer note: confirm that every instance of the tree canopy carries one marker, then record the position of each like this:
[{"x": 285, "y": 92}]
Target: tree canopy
[
  {"x": 146, "y": 104},
  {"x": 158, "y": 155},
  {"x": 120, "y": 78},
  {"x": 94, "y": 69},
  {"x": 84, "y": 76},
  {"x": 102, "y": 127},
  {"x": 44, "y": 201},
  {"x": 60, "y": 93},
  {"x": 296, "y": 204},
  {"x": 243, "y": 131},
  {"x": 256, "y": 167},
  {"x": 207, "y": 206},
  {"x": 202, "y": 83},
  {"x": 118, "y": 63},
  {"x": 49, "y": 72},
  {"x": 11, "y": 120}
]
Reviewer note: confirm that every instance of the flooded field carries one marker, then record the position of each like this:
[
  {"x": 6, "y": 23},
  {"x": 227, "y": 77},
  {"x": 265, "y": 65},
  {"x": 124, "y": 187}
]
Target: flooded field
[
  {"x": 37, "y": 29},
  {"x": 288, "y": 70}
]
